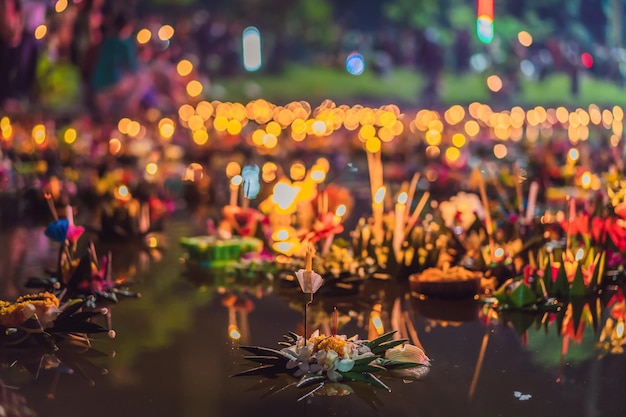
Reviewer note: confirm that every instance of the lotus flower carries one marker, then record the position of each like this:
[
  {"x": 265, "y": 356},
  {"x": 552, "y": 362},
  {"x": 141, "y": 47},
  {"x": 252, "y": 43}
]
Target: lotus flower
[
  {"x": 409, "y": 353},
  {"x": 60, "y": 230},
  {"x": 309, "y": 281}
]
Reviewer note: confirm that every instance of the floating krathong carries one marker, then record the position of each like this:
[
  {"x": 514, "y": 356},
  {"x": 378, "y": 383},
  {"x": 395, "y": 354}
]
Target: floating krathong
[{"x": 322, "y": 359}]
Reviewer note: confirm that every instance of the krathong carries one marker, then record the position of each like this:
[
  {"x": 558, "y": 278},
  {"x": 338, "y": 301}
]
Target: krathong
[{"x": 322, "y": 359}]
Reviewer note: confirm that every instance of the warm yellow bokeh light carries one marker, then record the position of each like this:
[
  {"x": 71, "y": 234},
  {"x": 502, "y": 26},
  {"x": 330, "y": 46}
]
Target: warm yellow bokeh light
[
  {"x": 453, "y": 154},
  {"x": 494, "y": 83},
  {"x": 143, "y": 36},
  {"x": 60, "y": 6},
  {"x": 151, "y": 168},
  {"x": 165, "y": 32},
  {"x": 525, "y": 38},
  {"x": 40, "y": 32},
  {"x": 458, "y": 140},
  {"x": 70, "y": 135},
  {"x": 184, "y": 67},
  {"x": 200, "y": 137},
  {"x": 233, "y": 127},
  {"x": 233, "y": 168},
  {"x": 500, "y": 150},
  {"x": 194, "y": 88},
  {"x": 373, "y": 145}
]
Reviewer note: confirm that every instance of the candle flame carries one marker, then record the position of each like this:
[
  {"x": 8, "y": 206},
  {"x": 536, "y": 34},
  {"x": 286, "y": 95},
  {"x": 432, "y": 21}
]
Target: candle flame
[
  {"x": 580, "y": 253},
  {"x": 341, "y": 210},
  {"x": 380, "y": 195},
  {"x": 403, "y": 198},
  {"x": 236, "y": 180}
]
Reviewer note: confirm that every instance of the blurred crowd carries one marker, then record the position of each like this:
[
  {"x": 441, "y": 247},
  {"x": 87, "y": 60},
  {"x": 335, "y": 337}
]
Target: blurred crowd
[{"x": 69, "y": 56}]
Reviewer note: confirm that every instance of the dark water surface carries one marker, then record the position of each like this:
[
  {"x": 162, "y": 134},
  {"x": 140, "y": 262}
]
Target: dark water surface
[{"x": 174, "y": 357}]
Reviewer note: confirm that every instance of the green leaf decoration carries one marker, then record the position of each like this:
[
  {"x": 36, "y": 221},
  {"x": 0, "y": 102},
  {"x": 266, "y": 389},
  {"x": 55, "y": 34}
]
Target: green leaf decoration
[
  {"x": 391, "y": 365},
  {"x": 522, "y": 296},
  {"x": 560, "y": 289},
  {"x": 388, "y": 345},
  {"x": 578, "y": 306},
  {"x": 598, "y": 272},
  {"x": 502, "y": 293},
  {"x": 74, "y": 326},
  {"x": 578, "y": 289},
  {"x": 368, "y": 368},
  {"x": 263, "y": 351},
  {"x": 72, "y": 307},
  {"x": 547, "y": 276},
  {"x": 365, "y": 361},
  {"x": 380, "y": 339},
  {"x": 309, "y": 379}
]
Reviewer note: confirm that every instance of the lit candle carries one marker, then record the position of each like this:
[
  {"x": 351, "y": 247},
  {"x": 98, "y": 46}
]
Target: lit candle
[
  {"x": 69, "y": 214},
  {"x": 339, "y": 213},
  {"x": 398, "y": 231},
  {"x": 532, "y": 201},
  {"x": 235, "y": 182},
  {"x": 309, "y": 260},
  {"x": 377, "y": 209}
]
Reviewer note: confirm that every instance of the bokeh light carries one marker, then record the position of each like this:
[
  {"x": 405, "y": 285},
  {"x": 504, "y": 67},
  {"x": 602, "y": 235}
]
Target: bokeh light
[{"x": 355, "y": 64}]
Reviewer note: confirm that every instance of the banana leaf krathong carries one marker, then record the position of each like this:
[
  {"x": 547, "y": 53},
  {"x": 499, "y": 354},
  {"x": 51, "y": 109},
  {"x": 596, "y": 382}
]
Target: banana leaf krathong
[{"x": 324, "y": 359}]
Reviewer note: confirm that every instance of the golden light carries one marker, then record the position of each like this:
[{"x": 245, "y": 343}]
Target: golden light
[
  {"x": 184, "y": 67},
  {"x": 220, "y": 123},
  {"x": 458, "y": 140},
  {"x": 297, "y": 171},
  {"x": 472, "y": 128},
  {"x": 153, "y": 242},
  {"x": 70, "y": 135},
  {"x": 318, "y": 174},
  {"x": 499, "y": 253},
  {"x": 280, "y": 234},
  {"x": 298, "y": 126},
  {"x": 403, "y": 198},
  {"x": 204, "y": 109},
  {"x": 7, "y": 131},
  {"x": 123, "y": 125},
  {"x": 143, "y": 36},
  {"x": 494, "y": 83},
  {"x": 5, "y": 122},
  {"x": 270, "y": 141},
  {"x": 40, "y": 32},
  {"x": 500, "y": 151},
  {"x": 60, "y": 6},
  {"x": 380, "y": 195},
  {"x": 194, "y": 88},
  {"x": 284, "y": 195},
  {"x": 436, "y": 125},
  {"x": 433, "y": 137},
  {"x": 166, "y": 128},
  {"x": 619, "y": 329},
  {"x": 233, "y": 168},
  {"x": 115, "y": 146},
  {"x": 341, "y": 210},
  {"x": 432, "y": 151},
  {"x": 194, "y": 172},
  {"x": 453, "y": 154},
  {"x": 454, "y": 114},
  {"x": 366, "y": 132},
  {"x": 525, "y": 38},
  {"x": 257, "y": 137},
  {"x": 165, "y": 32},
  {"x": 39, "y": 134},
  {"x": 286, "y": 248},
  {"x": 618, "y": 113},
  {"x": 585, "y": 180},
  {"x": 196, "y": 122},
  {"x": 185, "y": 112},
  {"x": 573, "y": 154},
  {"x": 233, "y": 127},
  {"x": 134, "y": 127},
  {"x": 234, "y": 333},
  {"x": 319, "y": 127},
  {"x": 273, "y": 128},
  {"x": 385, "y": 134},
  {"x": 200, "y": 137},
  {"x": 373, "y": 145},
  {"x": 151, "y": 168},
  {"x": 377, "y": 323},
  {"x": 387, "y": 119}
]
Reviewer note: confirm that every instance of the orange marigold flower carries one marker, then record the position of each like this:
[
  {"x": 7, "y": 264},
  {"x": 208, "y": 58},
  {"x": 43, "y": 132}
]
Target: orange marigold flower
[{"x": 333, "y": 343}]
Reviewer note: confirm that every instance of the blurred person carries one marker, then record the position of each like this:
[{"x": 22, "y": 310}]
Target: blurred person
[
  {"x": 116, "y": 82},
  {"x": 19, "y": 52}
]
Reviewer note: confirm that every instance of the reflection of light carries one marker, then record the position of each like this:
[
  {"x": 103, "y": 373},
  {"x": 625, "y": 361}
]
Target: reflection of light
[
  {"x": 619, "y": 329},
  {"x": 355, "y": 64},
  {"x": 251, "y": 40},
  {"x": 234, "y": 333},
  {"x": 60, "y": 6}
]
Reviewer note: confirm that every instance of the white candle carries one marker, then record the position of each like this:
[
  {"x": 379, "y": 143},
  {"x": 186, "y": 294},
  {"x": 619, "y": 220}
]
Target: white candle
[
  {"x": 398, "y": 231},
  {"x": 532, "y": 201},
  {"x": 235, "y": 182}
]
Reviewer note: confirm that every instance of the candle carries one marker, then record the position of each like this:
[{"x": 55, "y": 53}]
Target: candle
[
  {"x": 69, "y": 214},
  {"x": 518, "y": 188},
  {"x": 235, "y": 182},
  {"x": 532, "y": 201},
  {"x": 377, "y": 209},
  {"x": 418, "y": 210},
  {"x": 398, "y": 231},
  {"x": 339, "y": 213},
  {"x": 309, "y": 260}
]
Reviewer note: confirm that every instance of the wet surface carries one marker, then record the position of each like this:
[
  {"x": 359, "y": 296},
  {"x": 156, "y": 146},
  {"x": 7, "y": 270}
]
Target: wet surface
[{"x": 173, "y": 354}]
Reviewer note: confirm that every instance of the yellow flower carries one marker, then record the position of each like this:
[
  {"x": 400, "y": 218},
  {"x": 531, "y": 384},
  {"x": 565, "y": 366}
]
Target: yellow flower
[{"x": 333, "y": 343}]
